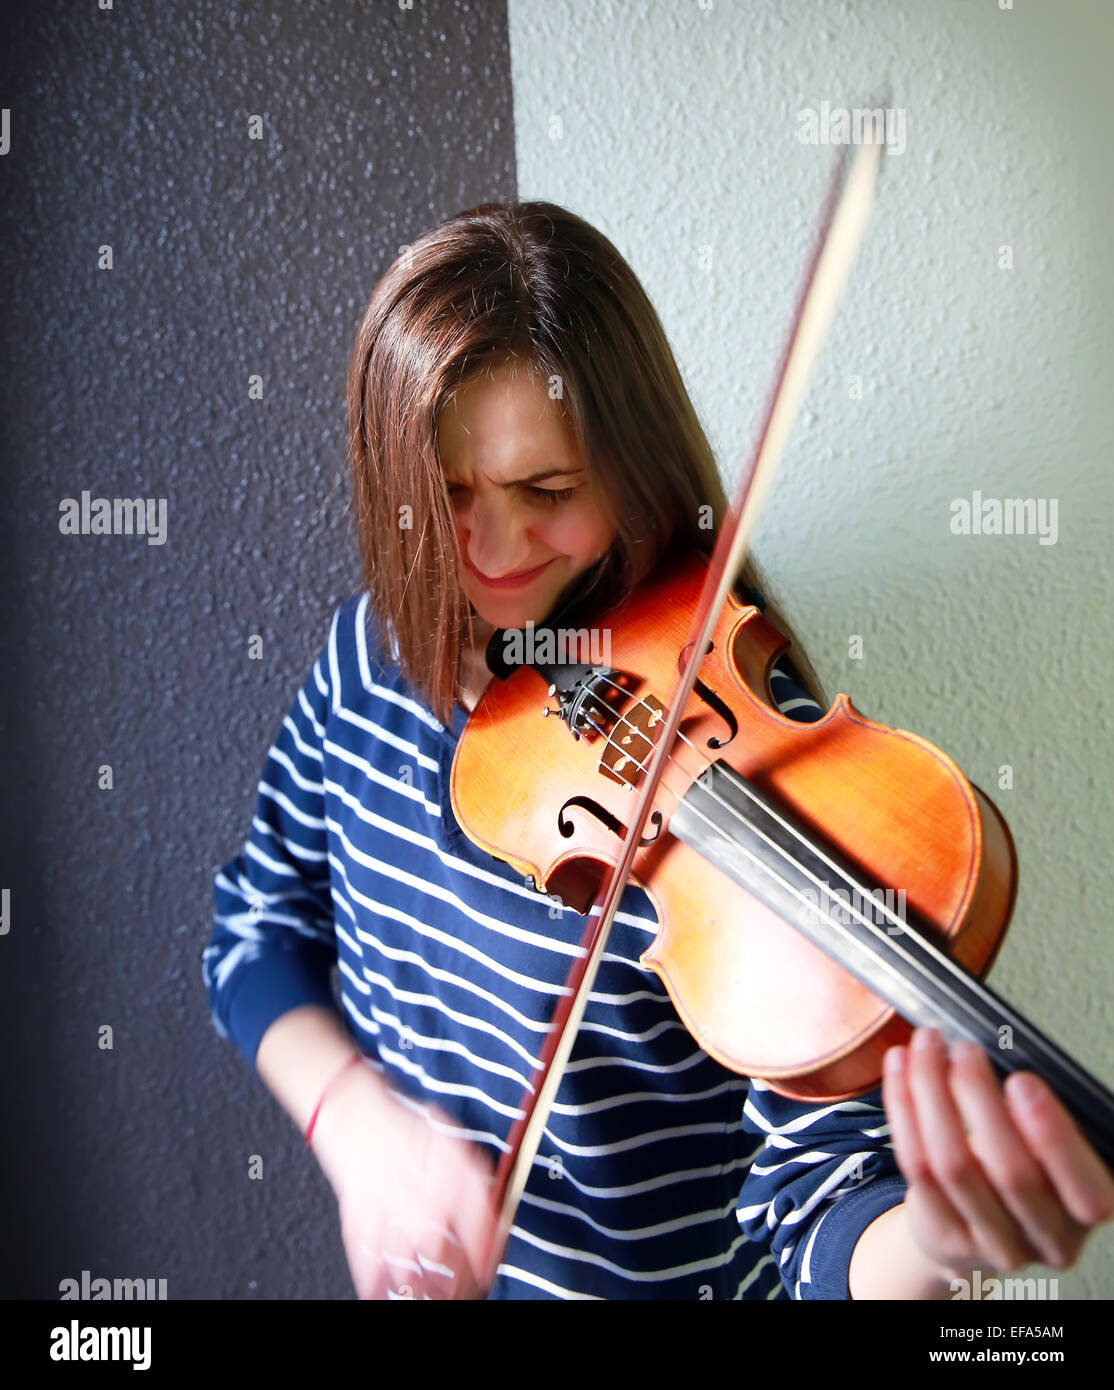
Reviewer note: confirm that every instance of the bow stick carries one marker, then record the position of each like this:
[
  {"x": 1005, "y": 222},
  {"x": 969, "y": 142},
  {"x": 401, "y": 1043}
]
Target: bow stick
[{"x": 839, "y": 233}]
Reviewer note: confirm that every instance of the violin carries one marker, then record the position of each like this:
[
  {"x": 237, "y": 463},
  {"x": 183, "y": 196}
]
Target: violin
[{"x": 821, "y": 888}]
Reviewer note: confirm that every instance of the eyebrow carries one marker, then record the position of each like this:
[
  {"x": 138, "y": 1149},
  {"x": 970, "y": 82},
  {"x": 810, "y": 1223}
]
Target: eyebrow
[{"x": 538, "y": 477}]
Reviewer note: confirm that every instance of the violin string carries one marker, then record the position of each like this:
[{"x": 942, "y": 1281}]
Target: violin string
[
  {"x": 786, "y": 825},
  {"x": 946, "y": 961},
  {"x": 838, "y": 927}
]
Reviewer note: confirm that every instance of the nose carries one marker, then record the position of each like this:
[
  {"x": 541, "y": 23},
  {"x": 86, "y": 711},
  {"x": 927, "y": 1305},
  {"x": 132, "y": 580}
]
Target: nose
[{"x": 495, "y": 541}]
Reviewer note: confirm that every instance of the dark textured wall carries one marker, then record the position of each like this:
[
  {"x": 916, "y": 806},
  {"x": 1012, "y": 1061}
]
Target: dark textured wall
[{"x": 231, "y": 257}]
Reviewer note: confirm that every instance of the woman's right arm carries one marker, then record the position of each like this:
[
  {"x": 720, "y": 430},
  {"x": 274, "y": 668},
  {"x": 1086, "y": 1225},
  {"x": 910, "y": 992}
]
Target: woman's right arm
[
  {"x": 298, "y": 1056},
  {"x": 404, "y": 1183},
  {"x": 415, "y": 1202}
]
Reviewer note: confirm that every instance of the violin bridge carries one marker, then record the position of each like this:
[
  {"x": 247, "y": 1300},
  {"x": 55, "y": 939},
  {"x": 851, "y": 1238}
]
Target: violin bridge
[{"x": 628, "y": 750}]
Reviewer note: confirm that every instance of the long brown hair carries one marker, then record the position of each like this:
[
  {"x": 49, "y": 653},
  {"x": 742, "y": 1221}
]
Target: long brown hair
[{"x": 529, "y": 281}]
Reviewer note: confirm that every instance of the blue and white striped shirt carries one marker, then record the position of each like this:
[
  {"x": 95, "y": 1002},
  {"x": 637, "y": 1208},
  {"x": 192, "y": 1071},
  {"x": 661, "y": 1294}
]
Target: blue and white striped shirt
[{"x": 661, "y": 1174}]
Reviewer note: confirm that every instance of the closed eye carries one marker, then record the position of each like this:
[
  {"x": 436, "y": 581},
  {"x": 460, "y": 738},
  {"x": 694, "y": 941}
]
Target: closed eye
[{"x": 543, "y": 494}]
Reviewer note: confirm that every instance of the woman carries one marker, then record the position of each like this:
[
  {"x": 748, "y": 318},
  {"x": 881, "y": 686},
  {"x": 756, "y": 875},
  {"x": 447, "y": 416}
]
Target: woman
[{"x": 521, "y": 440}]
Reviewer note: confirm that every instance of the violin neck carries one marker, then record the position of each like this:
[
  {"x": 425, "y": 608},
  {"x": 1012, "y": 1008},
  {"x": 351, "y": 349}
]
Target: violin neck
[{"x": 811, "y": 886}]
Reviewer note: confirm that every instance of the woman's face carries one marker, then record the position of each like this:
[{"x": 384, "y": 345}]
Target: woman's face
[{"x": 496, "y": 438}]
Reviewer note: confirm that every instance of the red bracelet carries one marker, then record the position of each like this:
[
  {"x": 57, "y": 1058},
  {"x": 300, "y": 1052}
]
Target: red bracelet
[{"x": 359, "y": 1057}]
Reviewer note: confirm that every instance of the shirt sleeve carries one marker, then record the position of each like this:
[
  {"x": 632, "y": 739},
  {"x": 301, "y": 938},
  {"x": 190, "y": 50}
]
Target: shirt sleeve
[
  {"x": 792, "y": 699},
  {"x": 820, "y": 1173},
  {"x": 273, "y": 942}
]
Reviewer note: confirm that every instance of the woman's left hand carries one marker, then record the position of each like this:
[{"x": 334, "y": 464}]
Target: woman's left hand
[{"x": 1022, "y": 1184}]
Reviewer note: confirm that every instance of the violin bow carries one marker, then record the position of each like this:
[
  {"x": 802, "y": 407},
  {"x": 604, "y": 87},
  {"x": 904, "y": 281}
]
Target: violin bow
[{"x": 840, "y": 229}]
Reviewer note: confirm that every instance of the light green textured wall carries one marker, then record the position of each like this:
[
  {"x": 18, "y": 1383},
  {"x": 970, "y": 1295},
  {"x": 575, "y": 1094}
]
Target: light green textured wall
[{"x": 673, "y": 126}]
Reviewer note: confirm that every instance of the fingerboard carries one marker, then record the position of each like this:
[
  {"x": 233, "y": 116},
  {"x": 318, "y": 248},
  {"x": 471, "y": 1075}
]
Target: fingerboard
[{"x": 804, "y": 879}]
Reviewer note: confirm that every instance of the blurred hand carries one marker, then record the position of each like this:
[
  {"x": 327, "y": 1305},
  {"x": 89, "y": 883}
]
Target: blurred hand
[{"x": 416, "y": 1207}]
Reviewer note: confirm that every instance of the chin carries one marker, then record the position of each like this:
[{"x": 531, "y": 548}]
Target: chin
[
  {"x": 512, "y": 611},
  {"x": 507, "y": 617}
]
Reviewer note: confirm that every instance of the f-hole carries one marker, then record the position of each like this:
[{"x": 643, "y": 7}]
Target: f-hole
[
  {"x": 604, "y": 816},
  {"x": 711, "y": 699}
]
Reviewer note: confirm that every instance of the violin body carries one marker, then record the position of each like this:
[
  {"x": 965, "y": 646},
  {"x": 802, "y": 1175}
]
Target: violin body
[
  {"x": 758, "y": 996},
  {"x": 821, "y": 888}
]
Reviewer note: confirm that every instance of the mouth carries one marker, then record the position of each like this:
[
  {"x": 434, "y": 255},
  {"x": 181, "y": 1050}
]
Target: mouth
[{"x": 508, "y": 581}]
